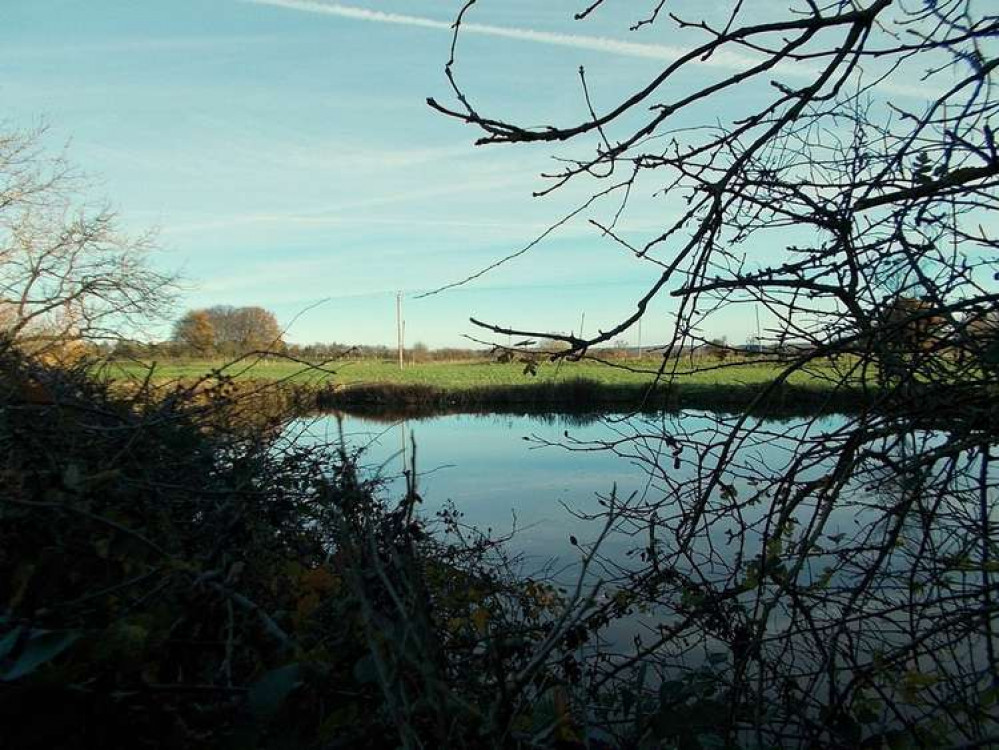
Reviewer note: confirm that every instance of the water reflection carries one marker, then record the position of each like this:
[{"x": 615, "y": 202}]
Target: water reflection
[
  {"x": 826, "y": 559},
  {"x": 536, "y": 476}
]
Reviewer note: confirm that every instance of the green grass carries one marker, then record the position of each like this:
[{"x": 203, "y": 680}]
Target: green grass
[
  {"x": 459, "y": 376},
  {"x": 373, "y": 386}
]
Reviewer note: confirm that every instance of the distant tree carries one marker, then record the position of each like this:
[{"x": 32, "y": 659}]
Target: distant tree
[
  {"x": 68, "y": 273},
  {"x": 234, "y": 330},
  {"x": 195, "y": 332},
  {"x": 127, "y": 349},
  {"x": 419, "y": 352},
  {"x": 222, "y": 318},
  {"x": 255, "y": 329}
]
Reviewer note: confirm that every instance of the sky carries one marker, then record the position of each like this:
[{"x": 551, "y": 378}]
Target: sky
[{"x": 285, "y": 152}]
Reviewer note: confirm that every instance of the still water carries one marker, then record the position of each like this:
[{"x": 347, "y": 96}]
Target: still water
[
  {"x": 535, "y": 476},
  {"x": 531, "y": 475}
]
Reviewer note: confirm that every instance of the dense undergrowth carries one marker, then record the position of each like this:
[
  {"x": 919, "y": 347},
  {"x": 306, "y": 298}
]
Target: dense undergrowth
[
  {"x": 390, "y": 401},
  {"x": 176, "y": 573},
  {"x": 172, "y": 575},
  {"x": 583, "y": 396}
]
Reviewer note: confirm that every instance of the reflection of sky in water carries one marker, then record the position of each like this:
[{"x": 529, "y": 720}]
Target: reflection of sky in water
[
  {"x": 492, "y": 474},
  {"x": 484, "y": 465}
]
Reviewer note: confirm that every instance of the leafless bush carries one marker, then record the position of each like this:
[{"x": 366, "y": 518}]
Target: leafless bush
[
  {"x": 68, "y": 273},
  {"x": 866, "y": 133}
]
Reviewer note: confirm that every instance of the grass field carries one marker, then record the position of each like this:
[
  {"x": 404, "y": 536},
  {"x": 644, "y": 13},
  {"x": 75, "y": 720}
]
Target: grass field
[
  {"x": 428, "y": 388},
  {"x": 461, "y": 375}
]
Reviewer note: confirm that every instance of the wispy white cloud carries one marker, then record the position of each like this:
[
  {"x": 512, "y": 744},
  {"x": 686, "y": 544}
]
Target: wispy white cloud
[
  {"x": 666, "y": 53},
  {"x": 364, "y": 210},
  {"x": 578, "y": 41}
]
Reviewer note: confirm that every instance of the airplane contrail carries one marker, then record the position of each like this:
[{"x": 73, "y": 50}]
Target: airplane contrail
[
  {"x": 596, "y": 43},
  {"x": 720, "y": 59}
]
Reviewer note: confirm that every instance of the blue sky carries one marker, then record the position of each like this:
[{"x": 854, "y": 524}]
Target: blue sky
[{"x": 285, "y": 151}]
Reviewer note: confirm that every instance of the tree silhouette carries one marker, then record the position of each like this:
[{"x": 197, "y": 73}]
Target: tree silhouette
[
  {"x": 824, "y": 162},
  {"x": 67, "y": 271}
]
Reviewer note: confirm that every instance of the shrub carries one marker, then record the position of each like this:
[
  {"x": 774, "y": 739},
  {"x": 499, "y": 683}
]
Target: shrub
[{"x": 173, "y": 577}]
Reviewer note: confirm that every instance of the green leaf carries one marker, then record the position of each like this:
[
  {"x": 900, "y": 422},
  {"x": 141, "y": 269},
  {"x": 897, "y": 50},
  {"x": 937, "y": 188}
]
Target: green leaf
[
  {"x": 270, "y": 691},
  {"x": 42, "y": 647},
  {"x": 365, "y": 670}
]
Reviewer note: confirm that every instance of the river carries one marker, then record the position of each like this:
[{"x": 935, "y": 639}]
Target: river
[
  {"x": 537, "y": 477},
  {"x": 534, "y": 476}
]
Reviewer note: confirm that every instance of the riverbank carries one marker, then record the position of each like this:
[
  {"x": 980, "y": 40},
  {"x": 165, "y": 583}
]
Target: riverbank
[
  {"x": 462, "y": 374},
  {"x": 426, "y": 389}
]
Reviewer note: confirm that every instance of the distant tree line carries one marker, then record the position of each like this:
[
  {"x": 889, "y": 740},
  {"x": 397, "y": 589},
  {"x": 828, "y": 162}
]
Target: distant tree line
[
  {"x": 418, "y": 352},
  {"x": 229, "y": 331}
]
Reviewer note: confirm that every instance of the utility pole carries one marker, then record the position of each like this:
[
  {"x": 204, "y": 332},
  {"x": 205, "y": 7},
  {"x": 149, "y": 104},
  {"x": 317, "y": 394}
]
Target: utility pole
[
  {"x": 639, "y": 338},
  {"x": 398, "y": 325},
  {"x": 759, "y": 332}
]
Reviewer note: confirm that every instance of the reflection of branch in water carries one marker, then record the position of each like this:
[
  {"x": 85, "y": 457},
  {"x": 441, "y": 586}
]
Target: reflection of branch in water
[{"x": 838, "y": 569}]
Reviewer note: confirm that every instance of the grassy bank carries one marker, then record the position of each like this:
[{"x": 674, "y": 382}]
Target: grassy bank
[
  {"x": 436, "y": 387},
  {"x": 459, "y": 375}
]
